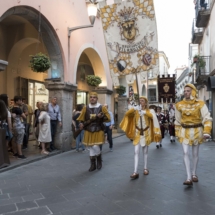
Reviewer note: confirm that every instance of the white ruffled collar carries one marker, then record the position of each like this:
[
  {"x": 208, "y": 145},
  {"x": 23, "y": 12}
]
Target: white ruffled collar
[{"x": 94, "y": 106}]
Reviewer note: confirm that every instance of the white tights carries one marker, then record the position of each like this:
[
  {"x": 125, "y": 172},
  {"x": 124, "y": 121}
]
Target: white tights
[
  {"x": 158, "y": 143},
  {"x": 195, "y": 152},
  {"x": 94, "y": 150},
  {"x": 136, "y": 156}
]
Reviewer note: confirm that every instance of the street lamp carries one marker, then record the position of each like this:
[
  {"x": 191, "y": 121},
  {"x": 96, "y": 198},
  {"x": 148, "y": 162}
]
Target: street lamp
[{"x": 92, "y": 12}]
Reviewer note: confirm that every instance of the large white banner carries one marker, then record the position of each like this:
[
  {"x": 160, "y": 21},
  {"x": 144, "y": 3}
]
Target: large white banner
[{"x": 131, "y": 37}]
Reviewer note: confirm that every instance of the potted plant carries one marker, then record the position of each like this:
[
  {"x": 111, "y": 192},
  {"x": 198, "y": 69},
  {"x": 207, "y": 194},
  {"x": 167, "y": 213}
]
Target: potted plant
[
  {"x": 93, "y": 80},
  {"x": 201, "y": 62},
  {"x": 39, "y": 62},
  {"x": 195, "y": 58},
  {"x": 121, "y": 90},
  {"x": 201, "y": 65}
]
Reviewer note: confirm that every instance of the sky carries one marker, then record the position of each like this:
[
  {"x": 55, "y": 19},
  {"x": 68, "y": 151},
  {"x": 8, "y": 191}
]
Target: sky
[{"x": 174, "y": 24}]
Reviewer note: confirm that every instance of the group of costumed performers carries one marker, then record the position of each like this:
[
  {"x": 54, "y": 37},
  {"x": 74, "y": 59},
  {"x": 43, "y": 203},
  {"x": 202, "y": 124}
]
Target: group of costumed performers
[
  {"x": 189, "y": 121},
  {"x": 92, "y": 120},
  {"x": 141, "y": 125},
  {"x": 193, "y": 125},
  {"x": 166, "y": 121}
]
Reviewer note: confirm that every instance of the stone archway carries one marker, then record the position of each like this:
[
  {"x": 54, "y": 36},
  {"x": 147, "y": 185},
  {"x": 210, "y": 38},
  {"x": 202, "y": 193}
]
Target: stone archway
[
  {"x": 96, "y": 62},
  {"x": 50, "y": 38}
]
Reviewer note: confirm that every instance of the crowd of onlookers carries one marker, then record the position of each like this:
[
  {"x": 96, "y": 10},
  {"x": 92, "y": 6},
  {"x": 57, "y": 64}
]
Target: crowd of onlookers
[{"x": 17, "y": 117}]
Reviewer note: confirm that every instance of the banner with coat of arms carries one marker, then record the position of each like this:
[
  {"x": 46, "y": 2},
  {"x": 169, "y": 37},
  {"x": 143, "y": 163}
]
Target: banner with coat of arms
[
  {"x": 166, "y": 89},
  {"x": 131, "y": 37}
]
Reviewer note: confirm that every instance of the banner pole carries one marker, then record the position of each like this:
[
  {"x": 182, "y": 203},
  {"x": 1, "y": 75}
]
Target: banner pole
[{"x": 138, "y": 93}]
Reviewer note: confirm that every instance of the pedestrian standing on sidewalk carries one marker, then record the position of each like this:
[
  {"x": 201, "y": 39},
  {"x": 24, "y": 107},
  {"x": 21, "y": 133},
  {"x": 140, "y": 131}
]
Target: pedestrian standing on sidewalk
[
  {"x": 36, "y": 120},
  {"x": 193, "y": 125},
  {"x": 28, "y": 123},
  {"x": 161, "y": 120},
  {"x": 3, "y": 116},
  {"x": 143, "y": 135},
  {"x": 44, "y": 127},
  {"x": 55, "y": 116},
  {"x": 18, "y": 127},
  {"x": 79, "y": 138},
  {"x": 8, "y": 124},
  {"x": 109, "y": 128},
  {"x": 24, "y": 109},
  {"x": 92, "y": 118}
]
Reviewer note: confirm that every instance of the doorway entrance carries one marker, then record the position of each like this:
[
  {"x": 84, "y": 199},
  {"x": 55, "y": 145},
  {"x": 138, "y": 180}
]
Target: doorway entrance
[
  {"x": 37, "y": 92},
  {"x": 82, "y": 97}
]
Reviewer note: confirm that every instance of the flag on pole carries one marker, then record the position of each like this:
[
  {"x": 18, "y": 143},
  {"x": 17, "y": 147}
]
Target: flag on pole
[{"x": 131, "y": 36}]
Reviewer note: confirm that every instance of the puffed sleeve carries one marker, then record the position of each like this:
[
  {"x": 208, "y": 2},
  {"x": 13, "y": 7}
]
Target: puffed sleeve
[
  {"x": 177, "y": 121},
  {"x": 106, "y": 114},
  {"x": 128, "y": 124},
  {"x": 149, "y": 113},
  {"x": 206, "y": 120}
]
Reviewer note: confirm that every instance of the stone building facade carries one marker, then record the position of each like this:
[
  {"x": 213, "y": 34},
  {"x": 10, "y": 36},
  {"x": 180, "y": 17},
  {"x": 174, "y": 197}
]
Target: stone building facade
[{"x": 83, "y": 52}]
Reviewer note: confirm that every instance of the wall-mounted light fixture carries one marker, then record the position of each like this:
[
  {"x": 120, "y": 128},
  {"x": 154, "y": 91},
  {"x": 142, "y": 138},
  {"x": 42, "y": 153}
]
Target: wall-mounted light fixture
[{"x": 92, "y": 12}]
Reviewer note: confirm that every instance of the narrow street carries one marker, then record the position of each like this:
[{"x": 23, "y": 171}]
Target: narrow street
[{"x": 62, "y": 185}]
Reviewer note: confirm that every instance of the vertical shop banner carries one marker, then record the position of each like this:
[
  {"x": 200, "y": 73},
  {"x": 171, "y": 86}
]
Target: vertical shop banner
[
  {"x": 166, "y": 89},
  {"x": 130, "y": 32}
]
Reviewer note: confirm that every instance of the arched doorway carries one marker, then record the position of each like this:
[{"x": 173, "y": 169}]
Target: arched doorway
[
  {"x": 89, "y": 63},
  {"x": 19, "y": 27},
  {"x": 143, "y": 90}
]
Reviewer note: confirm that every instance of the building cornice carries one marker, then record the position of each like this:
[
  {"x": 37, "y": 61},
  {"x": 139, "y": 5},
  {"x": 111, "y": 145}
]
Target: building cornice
[
  {"x": 182, "y": 76},
  {"x": 161, "y": 53}
]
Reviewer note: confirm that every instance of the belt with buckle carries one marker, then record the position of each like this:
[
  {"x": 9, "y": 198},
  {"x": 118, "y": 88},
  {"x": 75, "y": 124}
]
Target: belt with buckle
[{"x": 192, "y": 126}]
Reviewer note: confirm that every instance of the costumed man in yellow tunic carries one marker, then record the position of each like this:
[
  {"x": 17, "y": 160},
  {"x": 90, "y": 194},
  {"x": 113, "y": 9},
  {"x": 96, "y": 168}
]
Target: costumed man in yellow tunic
[
  {"x": 141, "y": 125},
  {"x": 92, "y": 119},
  {"x": 193, "y": 124}
]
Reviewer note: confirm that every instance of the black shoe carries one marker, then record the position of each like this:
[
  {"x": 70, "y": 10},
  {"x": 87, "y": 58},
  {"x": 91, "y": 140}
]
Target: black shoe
[
  {"x": 10, "y": 151},
  {"x": 160, "y": 145},
  {"x": 171, "y": 141},
  {"x": 15, "y": 155},
  {"x": 52, "y": 148},
  {"x": 49, "y": 150},
  {"x": 21, "y": 157},
  {"x": 157, "y": 146},
  {"x": 24, "y": 147}
]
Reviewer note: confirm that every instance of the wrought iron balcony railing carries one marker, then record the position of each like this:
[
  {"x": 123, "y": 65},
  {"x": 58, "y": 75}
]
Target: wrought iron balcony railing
[
  {"x": 202, "y": 68},
  {"x": 197, "y": 33},
  {"x": 202, "y": 8}
]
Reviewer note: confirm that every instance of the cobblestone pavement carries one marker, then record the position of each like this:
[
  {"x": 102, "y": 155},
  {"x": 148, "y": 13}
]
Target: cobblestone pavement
[{"x": 62, "y": 185}]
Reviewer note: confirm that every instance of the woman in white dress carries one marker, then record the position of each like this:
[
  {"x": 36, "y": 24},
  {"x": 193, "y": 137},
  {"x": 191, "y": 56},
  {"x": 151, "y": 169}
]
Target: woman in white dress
[{"x": 44, "y": 127}]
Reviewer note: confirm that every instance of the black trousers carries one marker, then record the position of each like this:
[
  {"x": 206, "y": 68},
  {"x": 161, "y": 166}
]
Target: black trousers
[
  {"x": 53, "y": 131},
  {"x": 26, "y": 135},
  {"x": 109, "y": 136}
]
